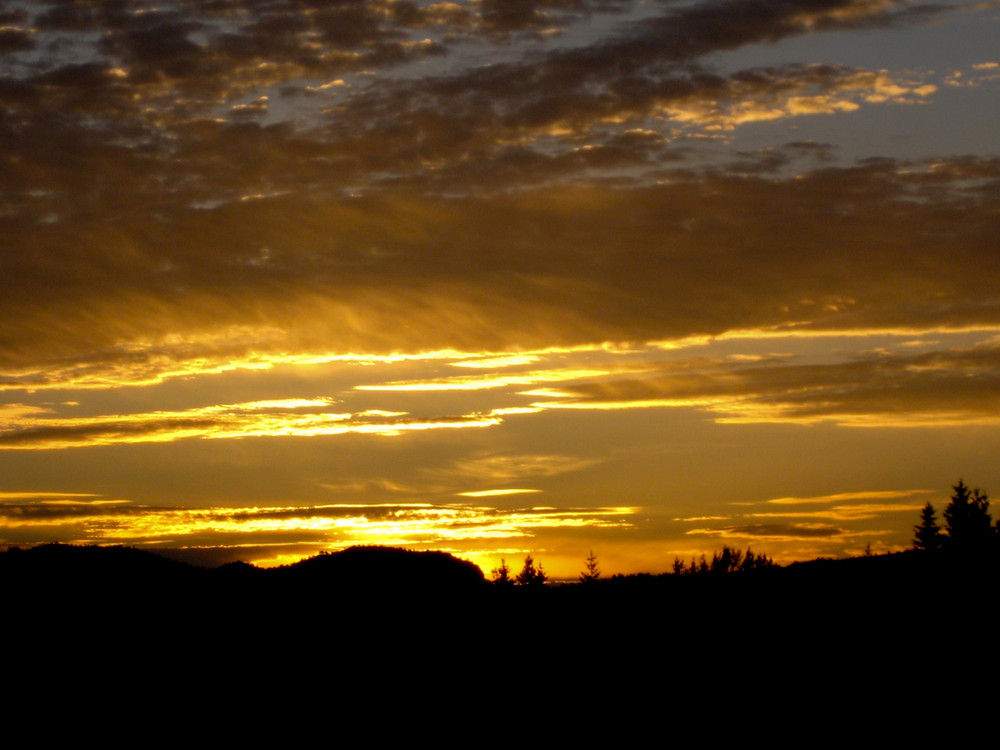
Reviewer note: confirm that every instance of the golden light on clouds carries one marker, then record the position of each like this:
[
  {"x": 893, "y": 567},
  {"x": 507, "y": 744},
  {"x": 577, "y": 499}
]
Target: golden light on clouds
[
  {"x": 493, "y": 362},
  {"x": 268, "y": 418},
  {"x": 649, "y": 403},
  {"x": 497, "y": 493},
  {"x": 40, "y": 495},
  {"x": 474, "y": 383},
  {"x": 598, "y": 250},
  {"x": 317, "y": 527},
  {"x": 843, "y": 496},
  {"x": 860, "y": 511}
]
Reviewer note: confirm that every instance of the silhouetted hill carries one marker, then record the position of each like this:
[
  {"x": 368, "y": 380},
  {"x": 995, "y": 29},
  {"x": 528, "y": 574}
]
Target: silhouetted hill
[
  {"x": 57, "y": 567},
  {"x": 124, "y": 579},
  {"x": 379, "y": 595},
  {"x": 373, "y": 568}
]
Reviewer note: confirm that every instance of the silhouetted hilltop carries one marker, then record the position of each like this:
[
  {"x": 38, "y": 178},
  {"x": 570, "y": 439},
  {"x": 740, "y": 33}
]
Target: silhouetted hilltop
[
  {"x": 61, "y": 566},
  {"x": 121, "y": 575},
  {"x": 385, "y": 567},
  {"x": 367, "y": 588}
]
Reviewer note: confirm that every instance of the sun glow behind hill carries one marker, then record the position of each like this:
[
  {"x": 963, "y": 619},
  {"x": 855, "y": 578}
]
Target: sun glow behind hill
[{"x": 538, "y": 277}]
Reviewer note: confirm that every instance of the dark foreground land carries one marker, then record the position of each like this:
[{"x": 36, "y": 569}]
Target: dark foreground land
[
  {"x": 384, "y": 628},
  {"x": 377, "y": 631},
  {"x": 366, "y": 590}
]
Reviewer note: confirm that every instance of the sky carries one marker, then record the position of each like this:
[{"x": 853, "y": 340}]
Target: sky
[{"x": 496, "y": 277}]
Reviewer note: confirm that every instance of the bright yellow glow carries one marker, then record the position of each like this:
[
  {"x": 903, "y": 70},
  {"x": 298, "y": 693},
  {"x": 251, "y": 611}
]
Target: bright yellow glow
[
  {"x": 862, "y": 511},
  {"x": 285, "y": 403},
  {"x": 331, "y": 526},
  {"x": 800, "y": 330},
  {"x": 496, "y": 493},
  {"x": 759, "y": 414},
  {"x": 512, "y": 410},
  {"x": 35, "y": 495},
  {"x": 511, "y": 361},
  {"x": 742, "y": 104},
  {"x": 477, "y": 383},
  {"x": 650, "y": 403},
  {"x": 218, "y": 422},
  {"x": 842, "y": 496},
  {"x": 145, "y": 362},
  {"x": 702, "y": 519},
  {"x": 85, "y": 502}
]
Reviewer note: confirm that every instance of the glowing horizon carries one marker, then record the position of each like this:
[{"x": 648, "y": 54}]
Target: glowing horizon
[{"x": 729, "y": 266}]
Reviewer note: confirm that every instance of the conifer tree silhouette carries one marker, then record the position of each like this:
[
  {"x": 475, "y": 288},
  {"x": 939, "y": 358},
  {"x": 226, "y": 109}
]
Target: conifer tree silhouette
[
  {"x": 531, "y": 575},
  {"x": 501, "y": 576},
  {"x": 927, "y": 534},
  {"x": 967, "y": 518},
  {"x": 591, "y": 569}
]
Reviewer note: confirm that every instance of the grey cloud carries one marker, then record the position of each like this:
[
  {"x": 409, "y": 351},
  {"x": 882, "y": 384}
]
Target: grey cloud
[
  {"x": 13, "y": 16},
  {"x": 584, "y": 117},
  {"x": 132, "y": 209},
  {"x": 130, "y": 121},
  {"x": 85, "y": 15},
  {"x": 505, "y": 16},
  {"x": 15, "y": 40},
  {"x": 385, "y": 138},
  {"x": 678, "y": 36}
]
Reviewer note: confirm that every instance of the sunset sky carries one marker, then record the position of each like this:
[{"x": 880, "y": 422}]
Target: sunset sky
[{"x": 496, "y": 277}]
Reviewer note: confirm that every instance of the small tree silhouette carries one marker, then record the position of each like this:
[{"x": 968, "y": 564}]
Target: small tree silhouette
[
  {"x": 730, "y": 559},
  {"x": 927, "y": 534},
  {"x": 591, "y": 569},
  {"x": 753, "y": 561},
  {"x": 531, "y": 575},
  {"x": 501, "y": 576},
  {"x": 968, "y": 520}
]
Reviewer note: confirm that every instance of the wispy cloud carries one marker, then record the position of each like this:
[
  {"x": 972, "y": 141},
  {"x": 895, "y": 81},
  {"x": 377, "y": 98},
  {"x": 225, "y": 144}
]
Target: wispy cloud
[
  {"x": 846, "y": 496},
  {"x": 934, "y": 388},
  {"x": 310, "y": 222},
  {"x": 279, "y": 418},
  {"x": 312, "y": 527}
]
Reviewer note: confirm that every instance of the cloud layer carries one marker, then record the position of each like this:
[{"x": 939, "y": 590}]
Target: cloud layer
[
  {"x": 252, "y": 220},
  {"x": 306, "y": 174}
]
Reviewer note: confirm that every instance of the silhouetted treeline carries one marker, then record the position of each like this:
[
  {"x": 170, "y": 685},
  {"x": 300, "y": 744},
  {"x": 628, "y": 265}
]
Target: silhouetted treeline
[
  {"x": 368, "y": 588},
  {"x": 729, "y": 560},
  {"x": 969, "y": 530},
  {"x": 424, "y": 618},
  {"x": 530, "y": 575}
]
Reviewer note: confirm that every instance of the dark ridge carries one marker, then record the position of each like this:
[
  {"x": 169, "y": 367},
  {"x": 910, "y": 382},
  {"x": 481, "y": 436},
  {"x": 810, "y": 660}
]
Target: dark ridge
[
  {"x": 385, "y": 567},
  {"x": 120, "y": 579},
  {"x": 238, "y": 570},
  {"x": 73, "y": 565},
  {"x": 377, "y": 599},
  {"x": 68, "y": 565}
]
